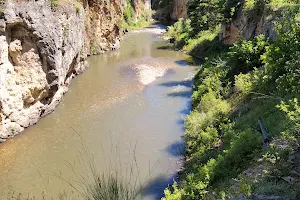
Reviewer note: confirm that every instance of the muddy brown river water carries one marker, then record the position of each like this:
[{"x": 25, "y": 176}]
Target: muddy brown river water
[{"x": 128, "y": 107}]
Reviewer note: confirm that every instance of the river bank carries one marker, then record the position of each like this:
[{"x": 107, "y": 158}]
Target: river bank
[{"x": 242, "y": 136}]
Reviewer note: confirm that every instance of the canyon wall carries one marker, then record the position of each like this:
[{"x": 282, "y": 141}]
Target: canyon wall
[
  {"x": 40, "y": 52},
  {"x": 43, "y": 45},
  {"x": 248, "y": 24},
  {"x": 169, "y": 11},
  {"x": 101, "y": 21}
]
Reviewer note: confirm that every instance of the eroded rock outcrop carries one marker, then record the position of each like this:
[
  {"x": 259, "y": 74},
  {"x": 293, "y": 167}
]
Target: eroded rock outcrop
[
  {"x": 169, "y": 11},
  {"x": 247, "y": 25},
  {"x": 101, "y": 22},
  {"x": 41, "y": 50}
]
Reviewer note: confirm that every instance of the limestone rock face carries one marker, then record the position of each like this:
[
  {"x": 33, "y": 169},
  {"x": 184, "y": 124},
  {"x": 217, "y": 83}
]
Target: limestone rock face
[
  {"x": 172, "y": 10},
  {"x": 244, "y": 26},
  {"x": 101, "y": 25},
  {"x": 41, "y": 50},
  {"x": 102, "y": 22}
]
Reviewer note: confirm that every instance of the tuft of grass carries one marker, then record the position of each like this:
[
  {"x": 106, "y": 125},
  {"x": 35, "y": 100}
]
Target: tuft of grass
[
  {"x": 53, "y": 4},
  {"x": 118, "y": 182}
]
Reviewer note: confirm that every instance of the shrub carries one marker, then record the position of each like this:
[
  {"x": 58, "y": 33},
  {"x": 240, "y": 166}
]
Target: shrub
[
  {"x": 245, "y": 55},
  {"x": 130, "y": 21},
  {"x": 282, "y": 56},
  {"x": 129, "y": 13},
  {"x": 205, "y": 14},
  {"x": 180, "y": 31},
  {"x": 292, "y": 110},
  {"x": 175, "y": 194},
  {"x": 244, "y": 83}
]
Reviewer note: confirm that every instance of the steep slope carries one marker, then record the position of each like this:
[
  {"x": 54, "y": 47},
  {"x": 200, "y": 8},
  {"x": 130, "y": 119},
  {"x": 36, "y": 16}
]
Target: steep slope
[
  {"x": 248, "y": 24},
  {"x": 170, "y": 10}
]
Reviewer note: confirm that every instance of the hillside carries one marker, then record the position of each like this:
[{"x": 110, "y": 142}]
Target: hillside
[{"x": 242, "y": 136}]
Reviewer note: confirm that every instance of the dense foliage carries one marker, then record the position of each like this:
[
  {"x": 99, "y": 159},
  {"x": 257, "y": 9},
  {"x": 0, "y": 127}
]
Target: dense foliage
[
  {"x": 226, "y": 154},
  {"x": 205, "y": 14},
  {"x": 130, "y": 19}
]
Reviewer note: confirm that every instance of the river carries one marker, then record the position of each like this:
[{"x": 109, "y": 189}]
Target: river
[{"x": 128, "y": 107}]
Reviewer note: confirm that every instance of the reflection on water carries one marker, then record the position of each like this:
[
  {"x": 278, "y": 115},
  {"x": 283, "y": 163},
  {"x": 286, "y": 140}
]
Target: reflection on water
[{"x": 130, "y": 100}]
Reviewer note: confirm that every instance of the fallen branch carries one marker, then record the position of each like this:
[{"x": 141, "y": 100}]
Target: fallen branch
[{"x": 265, "y": 135}]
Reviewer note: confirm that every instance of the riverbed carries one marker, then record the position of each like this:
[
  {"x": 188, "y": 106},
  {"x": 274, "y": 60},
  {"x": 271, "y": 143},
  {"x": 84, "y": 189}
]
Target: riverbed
[{"x": 125, "y": 112}]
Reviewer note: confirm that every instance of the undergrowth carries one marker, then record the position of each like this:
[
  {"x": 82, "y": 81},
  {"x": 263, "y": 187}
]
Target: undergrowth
[
  {"x": 235, "y": 87},
  {"x": 131, "y": 21}
]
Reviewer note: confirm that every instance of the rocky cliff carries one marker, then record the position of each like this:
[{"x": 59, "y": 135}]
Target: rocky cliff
[
  {"x": 101, "y": 20},
  {"x": 247, "y": 24},
  {"x": 40, "y": 52},
  {"x": 169, "y": 11},
  {"x": 43, "y": 45}
]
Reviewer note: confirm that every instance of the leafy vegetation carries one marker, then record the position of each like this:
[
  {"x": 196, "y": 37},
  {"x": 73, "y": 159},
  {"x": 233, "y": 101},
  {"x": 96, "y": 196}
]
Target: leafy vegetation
[
  {"x": 131, "y": 21},
  {"x": 226, "y": 154}
]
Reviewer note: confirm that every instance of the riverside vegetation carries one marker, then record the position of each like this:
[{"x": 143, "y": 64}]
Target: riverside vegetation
[{"x": 237, "y": 85}]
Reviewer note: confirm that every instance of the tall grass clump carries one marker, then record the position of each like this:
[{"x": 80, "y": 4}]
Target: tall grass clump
[
  {"x": 112, "y": 186},
  {"x": 117, "y": 182}
]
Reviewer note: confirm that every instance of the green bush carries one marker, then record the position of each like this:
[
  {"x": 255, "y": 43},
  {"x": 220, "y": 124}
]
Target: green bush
[
  {"x": 282, "y": 57},
  {"x": 292, "y": 110},
  {"x": 180, "y": 31},
  {"x": 205, "y": 14},
  {"x": 244, "y": 56},
  {"x": 232, "y": 91},
  {"x": 130, "y": 21},
  {"x": 244, "y": 83},
  {"x": 129, "y": 13}
]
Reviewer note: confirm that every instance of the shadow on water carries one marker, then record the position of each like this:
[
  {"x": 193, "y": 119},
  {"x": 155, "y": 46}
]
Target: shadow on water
[
  {"x": 176, "y": 148},
  {"x": 186, "y": 83},
  {"x": 155, "y": 187},
  {"x": 182, "y": 63},
  {"x": 180, "y": 94},
  {"x": 167, "y": 47},
  {"x": 187, "y": 108}
]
